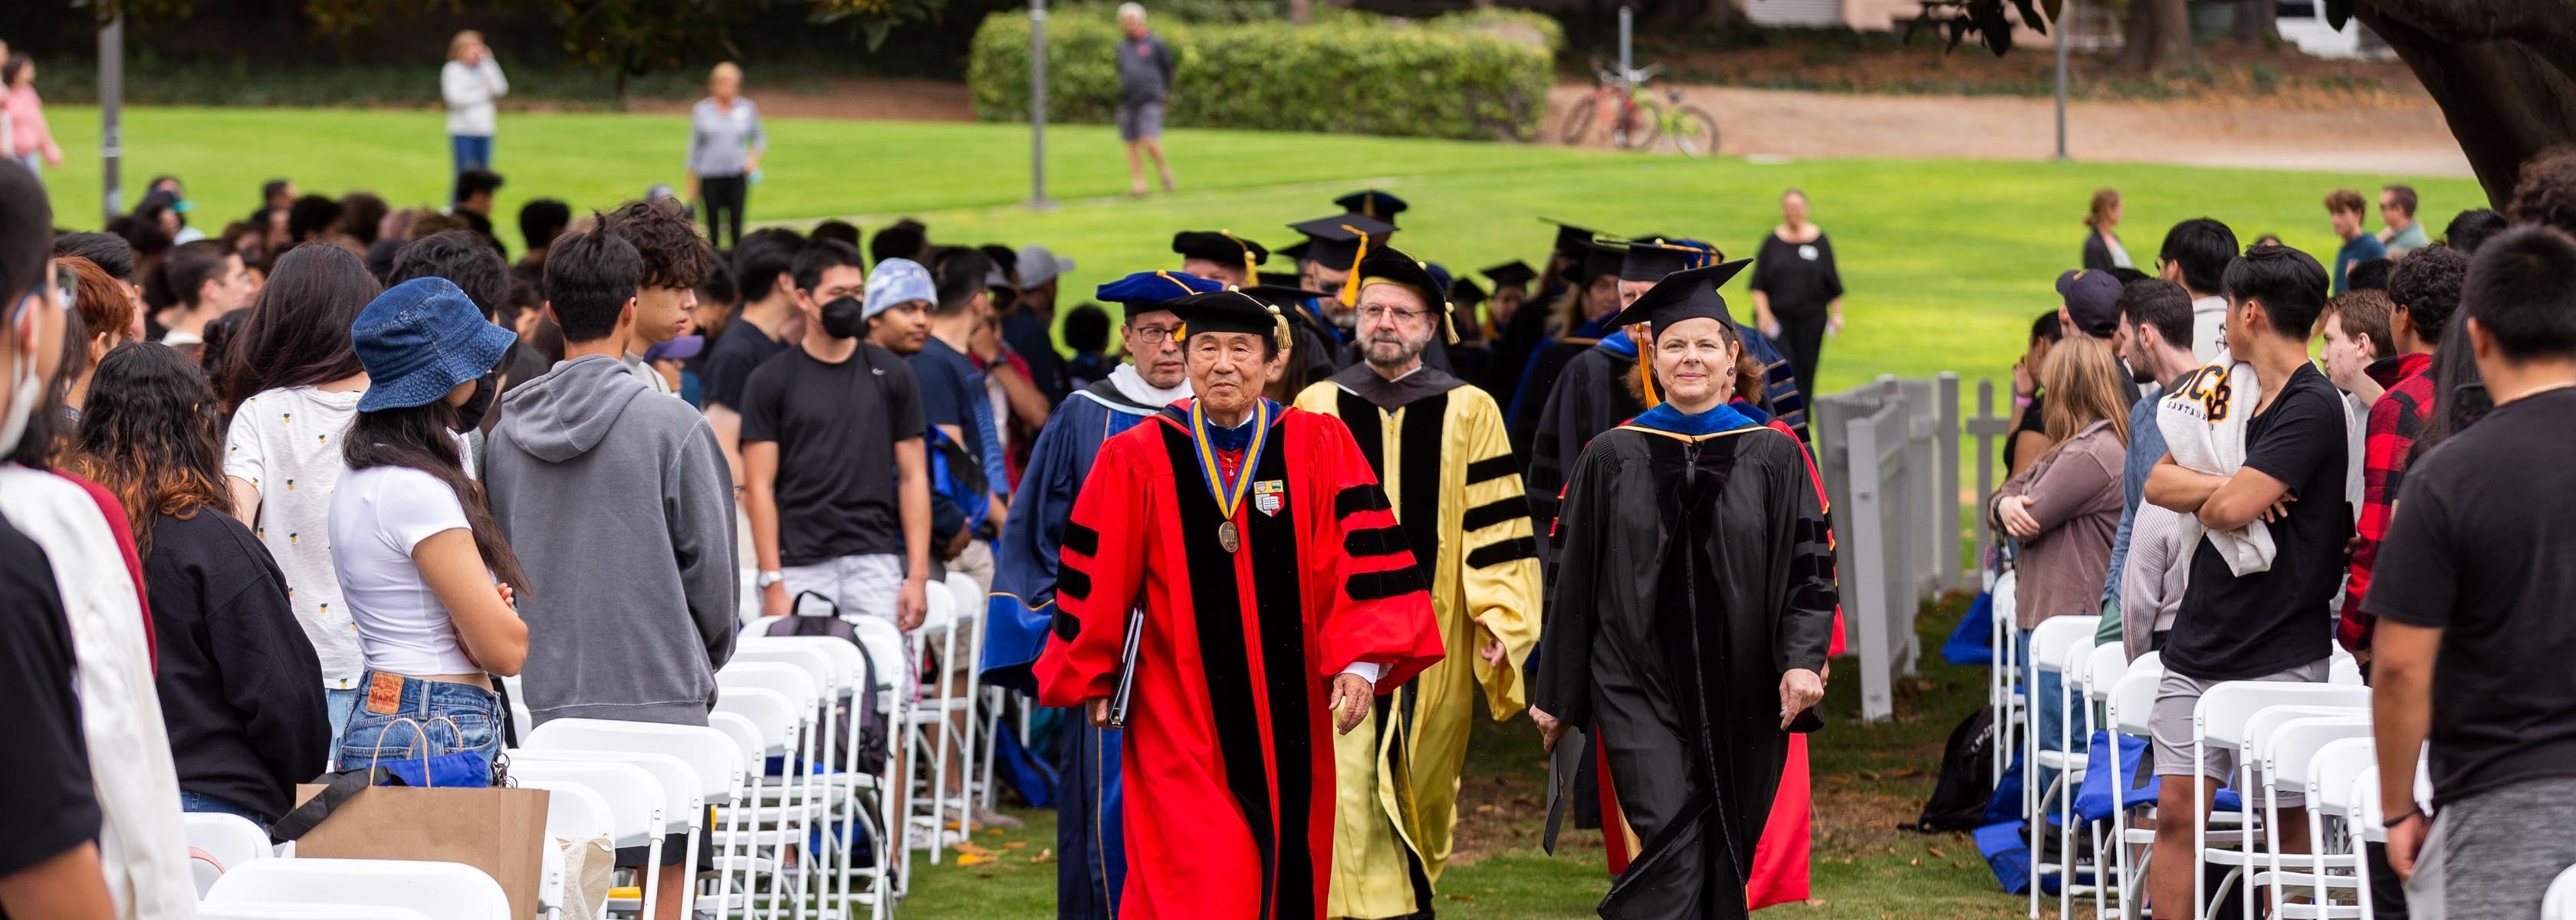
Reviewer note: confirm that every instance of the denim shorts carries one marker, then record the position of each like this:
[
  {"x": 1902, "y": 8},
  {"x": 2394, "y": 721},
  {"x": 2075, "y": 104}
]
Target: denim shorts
[{"x": 378, "y": 731}]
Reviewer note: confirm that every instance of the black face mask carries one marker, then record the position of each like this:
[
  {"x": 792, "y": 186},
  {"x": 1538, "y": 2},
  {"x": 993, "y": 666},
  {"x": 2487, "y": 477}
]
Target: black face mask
[
  {"x": 470, "y": 415},
  {"x": 845, "y": 318}
]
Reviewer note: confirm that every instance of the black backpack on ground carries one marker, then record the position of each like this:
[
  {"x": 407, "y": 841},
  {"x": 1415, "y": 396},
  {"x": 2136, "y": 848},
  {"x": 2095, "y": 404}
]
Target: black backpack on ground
[
  {"x": 1966, "y": 783},
  {"x": 872, "y": 740}
]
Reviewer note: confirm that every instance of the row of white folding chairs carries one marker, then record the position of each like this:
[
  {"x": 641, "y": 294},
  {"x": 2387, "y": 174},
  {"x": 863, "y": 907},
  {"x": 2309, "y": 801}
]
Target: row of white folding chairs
[
  {"x": 793, "y": 685},
  {"x": 2004, "y": 692},
  {"x": 353, "y": 889},
  {"x": 641, "y": 782}
]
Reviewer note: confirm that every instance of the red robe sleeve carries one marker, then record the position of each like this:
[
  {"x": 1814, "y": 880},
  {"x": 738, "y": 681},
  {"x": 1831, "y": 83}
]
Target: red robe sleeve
[
  {"x": 1099, "y": 572},
  {"x": 1375, "y": 607}
]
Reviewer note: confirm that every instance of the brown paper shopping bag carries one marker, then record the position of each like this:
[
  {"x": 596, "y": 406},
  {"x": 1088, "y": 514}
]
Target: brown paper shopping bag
[{"x": 499, "y": 831}]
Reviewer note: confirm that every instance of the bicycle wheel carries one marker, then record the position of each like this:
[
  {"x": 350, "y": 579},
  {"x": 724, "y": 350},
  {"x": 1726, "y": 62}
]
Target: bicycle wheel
[
  {"x": 1579, "y": 122},
  {"x": 1693, "y": 131},
  {"x": 1647, "y": 127}
]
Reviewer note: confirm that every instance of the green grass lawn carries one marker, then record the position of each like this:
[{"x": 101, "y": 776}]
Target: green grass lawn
[
  {"x": 1946, "y": 261},
  {"x": 1867, "y": 779}
]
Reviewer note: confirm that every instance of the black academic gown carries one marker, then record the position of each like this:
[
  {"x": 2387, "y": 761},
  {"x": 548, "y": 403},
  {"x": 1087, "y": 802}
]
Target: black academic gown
[
  {"x": 1691, "y": 572},
  {"x": 1594, "y": 392}
]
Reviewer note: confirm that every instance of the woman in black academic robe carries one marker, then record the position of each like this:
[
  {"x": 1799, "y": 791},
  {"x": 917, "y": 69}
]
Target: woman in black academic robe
[{"x": 1690, "y": 611}]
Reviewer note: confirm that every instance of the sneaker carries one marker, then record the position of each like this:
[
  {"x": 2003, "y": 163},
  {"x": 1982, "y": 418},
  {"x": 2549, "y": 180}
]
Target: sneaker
[{"x": 986, "y": 817}]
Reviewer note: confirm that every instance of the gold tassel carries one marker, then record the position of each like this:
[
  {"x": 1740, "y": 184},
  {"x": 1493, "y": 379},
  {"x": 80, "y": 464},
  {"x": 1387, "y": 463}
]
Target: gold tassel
[
  {"x": 1251, "y": 275},
  {"x": 1645, "y": 371},
  {"x": 1351, "y": 285}
]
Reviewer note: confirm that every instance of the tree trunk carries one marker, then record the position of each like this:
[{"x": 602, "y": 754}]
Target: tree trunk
[
  {"x": 1301, "y": 12},
  {"x": 2170, "y": 49},
  {"x": 2254, "y": 21},
  {"x": 2500, "y": 71}
]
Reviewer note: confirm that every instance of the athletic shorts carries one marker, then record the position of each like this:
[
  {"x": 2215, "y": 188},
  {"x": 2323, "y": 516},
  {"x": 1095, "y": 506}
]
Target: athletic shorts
[
  {"x": 1140, "y": 121},
  {"x": 2170, "y": 723}
]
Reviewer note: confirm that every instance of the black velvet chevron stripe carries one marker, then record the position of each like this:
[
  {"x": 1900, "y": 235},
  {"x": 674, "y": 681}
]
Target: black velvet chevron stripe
[
  {"x": 1381, "y": 541},
  {"x": 1814, "y": 531},
  {"x": 1065, "y": 626},
  {"x": 1493, "y": 554},
  {"x": 1492, "y": 468},
  {"x": 1365, "y": 497},
  {"x": 1498, "y": 511},
  {"x": 1072, "y": 582},
  {"x": 1081, "y": 539},
  {"x": 1812, "y": 565},
  {"x": 1375, "y": 586}
]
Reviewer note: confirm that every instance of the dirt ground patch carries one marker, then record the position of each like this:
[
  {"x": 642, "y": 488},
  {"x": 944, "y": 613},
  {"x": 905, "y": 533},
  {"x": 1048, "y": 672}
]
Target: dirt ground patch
[
  {"x": 889, "y": 100},
  {"x": 2376, "y": 133}
]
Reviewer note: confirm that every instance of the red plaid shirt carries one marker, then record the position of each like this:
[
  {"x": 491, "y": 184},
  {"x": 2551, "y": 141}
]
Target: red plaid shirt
[{"x": 2395, "y": 420}]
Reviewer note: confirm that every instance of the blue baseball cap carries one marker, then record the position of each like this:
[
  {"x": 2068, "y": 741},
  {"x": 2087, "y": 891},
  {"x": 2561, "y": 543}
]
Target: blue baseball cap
[
  {"x": 897, "y": 281},
  {"x": 421, "y": 338}
]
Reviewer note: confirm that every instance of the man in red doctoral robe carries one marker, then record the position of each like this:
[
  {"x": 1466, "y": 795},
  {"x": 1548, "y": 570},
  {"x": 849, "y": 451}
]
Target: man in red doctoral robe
[{"x": 1272, "y": 592}]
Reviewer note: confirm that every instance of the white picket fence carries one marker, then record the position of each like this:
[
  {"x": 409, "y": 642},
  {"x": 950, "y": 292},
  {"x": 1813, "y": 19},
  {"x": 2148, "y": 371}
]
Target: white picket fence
[{"x": 1888, "y": 452}]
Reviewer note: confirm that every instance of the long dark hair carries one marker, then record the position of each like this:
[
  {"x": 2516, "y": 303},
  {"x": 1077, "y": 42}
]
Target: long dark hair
[
  {"x": 2459, "y": 391},
  {"x": 424, "y": 438},
  {"x": 297, "y": 333},
  {"x": 151, "y": 435}
]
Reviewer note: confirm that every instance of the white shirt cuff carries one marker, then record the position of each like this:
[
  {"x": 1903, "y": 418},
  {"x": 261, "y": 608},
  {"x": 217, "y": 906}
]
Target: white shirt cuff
[{"x": 1367, "y": 670}]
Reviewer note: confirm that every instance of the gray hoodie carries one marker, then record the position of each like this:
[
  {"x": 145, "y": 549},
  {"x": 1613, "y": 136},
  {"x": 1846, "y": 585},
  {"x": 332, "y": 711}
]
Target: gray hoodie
[{"x": 620, "y": 507}]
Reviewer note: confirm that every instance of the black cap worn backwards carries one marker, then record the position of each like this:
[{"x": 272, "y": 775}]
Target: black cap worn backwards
[
  {"x": 1514, "y": 273},
  {"x": 1229, "y": 311},
  {"x": 1220, "y": 246},
  {"x": 1336, "y": 240},
  {"x": 1373, "y": 203},
  {"x": 1682, "y": 295},
  {"x": 1652, "y": 259}
]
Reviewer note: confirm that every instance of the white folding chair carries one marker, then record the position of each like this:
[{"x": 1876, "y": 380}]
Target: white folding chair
[
  {"x": 2102, "y": 669},
  {"x": 2331, "y": 776},
  {"x": 714, "y": 757},
  {"x": 225, "y": 841},
  {"x": 768, "y": 725},
  {"x": 975, "y": 757},
  {"x": 2050, "y": 644},
  {"x": 634, "y": 797},
  {"x": 797, "y": 792},
  {"x": 438, "y": 890},
  {"x": 2560, "y": 902},
  {"x": 848, "y": 789},
  {"x": 2003, "y": 678},
  {"x": 2287, "y": 751},
  {"x": 2129, "y": 710},
  {"x": 934, "y": 734},
  {"x": 888, "y": 652},
  {"x": 515, "y": 687},
  {"x": 2219, "y": 720},
  {"x": 2343, "y": 669},
  {"x": 574, "y": 812}
]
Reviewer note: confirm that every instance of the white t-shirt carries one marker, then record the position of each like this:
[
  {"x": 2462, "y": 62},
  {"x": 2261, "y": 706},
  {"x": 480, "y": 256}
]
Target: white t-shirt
[
  {"x": 286, "y": 443},
  {"x": 378, "y": 515},
  {"x": 2208, "y": 329}
]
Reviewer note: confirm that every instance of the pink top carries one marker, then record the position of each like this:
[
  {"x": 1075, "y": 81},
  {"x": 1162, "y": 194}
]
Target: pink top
[{"x": 27, "y": 131}]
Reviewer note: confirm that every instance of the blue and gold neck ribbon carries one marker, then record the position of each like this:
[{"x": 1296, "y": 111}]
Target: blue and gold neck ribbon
[{"x": 1229, "y": 492}]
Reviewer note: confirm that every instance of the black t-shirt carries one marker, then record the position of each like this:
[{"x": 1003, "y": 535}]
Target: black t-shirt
[
  {"x": 241, "y": 689},
  {"x": 1800, "y": 278},
  {"x": 2240, "y": 628},
  {"x": 50, "y": 806},
  {"x": 2481, "y": 548},
  {"x": 836, "y": 426},
  {"x": 950, "y": 383},
  {"x": 731, "y": 360}
]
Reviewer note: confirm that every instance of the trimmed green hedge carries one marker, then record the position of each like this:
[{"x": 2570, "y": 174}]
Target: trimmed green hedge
[{"x": 1477, "y": 75}]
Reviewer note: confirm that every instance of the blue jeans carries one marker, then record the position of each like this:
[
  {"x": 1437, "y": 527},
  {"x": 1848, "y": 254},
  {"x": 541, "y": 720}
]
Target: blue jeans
[
  {"x": 2046, "y": 689},
  {"x": 203, "y": 803},
  {"x": 394, "y": 717},
  {"x": 471, "y": 150},
  {"x": 337, "y": 704}
]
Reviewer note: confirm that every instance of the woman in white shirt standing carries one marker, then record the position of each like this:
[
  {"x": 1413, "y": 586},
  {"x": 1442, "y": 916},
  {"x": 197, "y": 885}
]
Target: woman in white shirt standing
[
  {"x": 470, "y": 81},
  {"x": 423, "y": 567},
  {"x": 294, "y": 384}
]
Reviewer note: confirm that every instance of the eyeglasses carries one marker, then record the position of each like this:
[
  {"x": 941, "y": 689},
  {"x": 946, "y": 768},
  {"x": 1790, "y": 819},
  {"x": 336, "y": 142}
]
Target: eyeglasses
[
  {"x": 1152, "y": 335},
  {"x": 1377, "y": 313}
]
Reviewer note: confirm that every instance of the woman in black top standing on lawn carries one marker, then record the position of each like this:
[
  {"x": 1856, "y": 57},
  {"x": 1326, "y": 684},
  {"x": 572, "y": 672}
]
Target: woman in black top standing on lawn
[
  {"x": 240, "y": 686},
  {"x": 1797, "y": 291}
]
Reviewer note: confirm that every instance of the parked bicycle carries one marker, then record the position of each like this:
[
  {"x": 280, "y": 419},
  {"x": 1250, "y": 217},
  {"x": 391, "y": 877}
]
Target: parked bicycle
[{"x": 1627, "y": 111}]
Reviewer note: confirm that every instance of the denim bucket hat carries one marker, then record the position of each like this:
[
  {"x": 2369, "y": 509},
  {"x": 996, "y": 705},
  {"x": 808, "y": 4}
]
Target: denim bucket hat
[{"x": 421, "y": 338}]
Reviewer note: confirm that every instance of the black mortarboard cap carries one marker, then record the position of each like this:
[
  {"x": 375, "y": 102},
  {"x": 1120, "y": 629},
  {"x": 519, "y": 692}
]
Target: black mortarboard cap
[
  {"x": 1336, "y": 240},
  {"x": 1220, "y": 246},
  {"x": 1229, "y": 311},
  {"x": 1514, "y": 273},
  {"x": 1651, "y": 259},
  {"x": 1688, "y": 294},
  {"x": 1373, "y": 203},
  {"x": 1276, "y": 279},
  {"x": 1599, "y": 260},
  {"x": 1570, "y": 239},
  {"x": 1464, "y": 292},
  {"x": 1387, "y": 265},
  {"x": 1146, "y": 292}
]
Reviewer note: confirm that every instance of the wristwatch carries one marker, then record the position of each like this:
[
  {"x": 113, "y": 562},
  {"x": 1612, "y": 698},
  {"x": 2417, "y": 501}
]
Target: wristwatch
[{"x": 768, "y": 578}]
